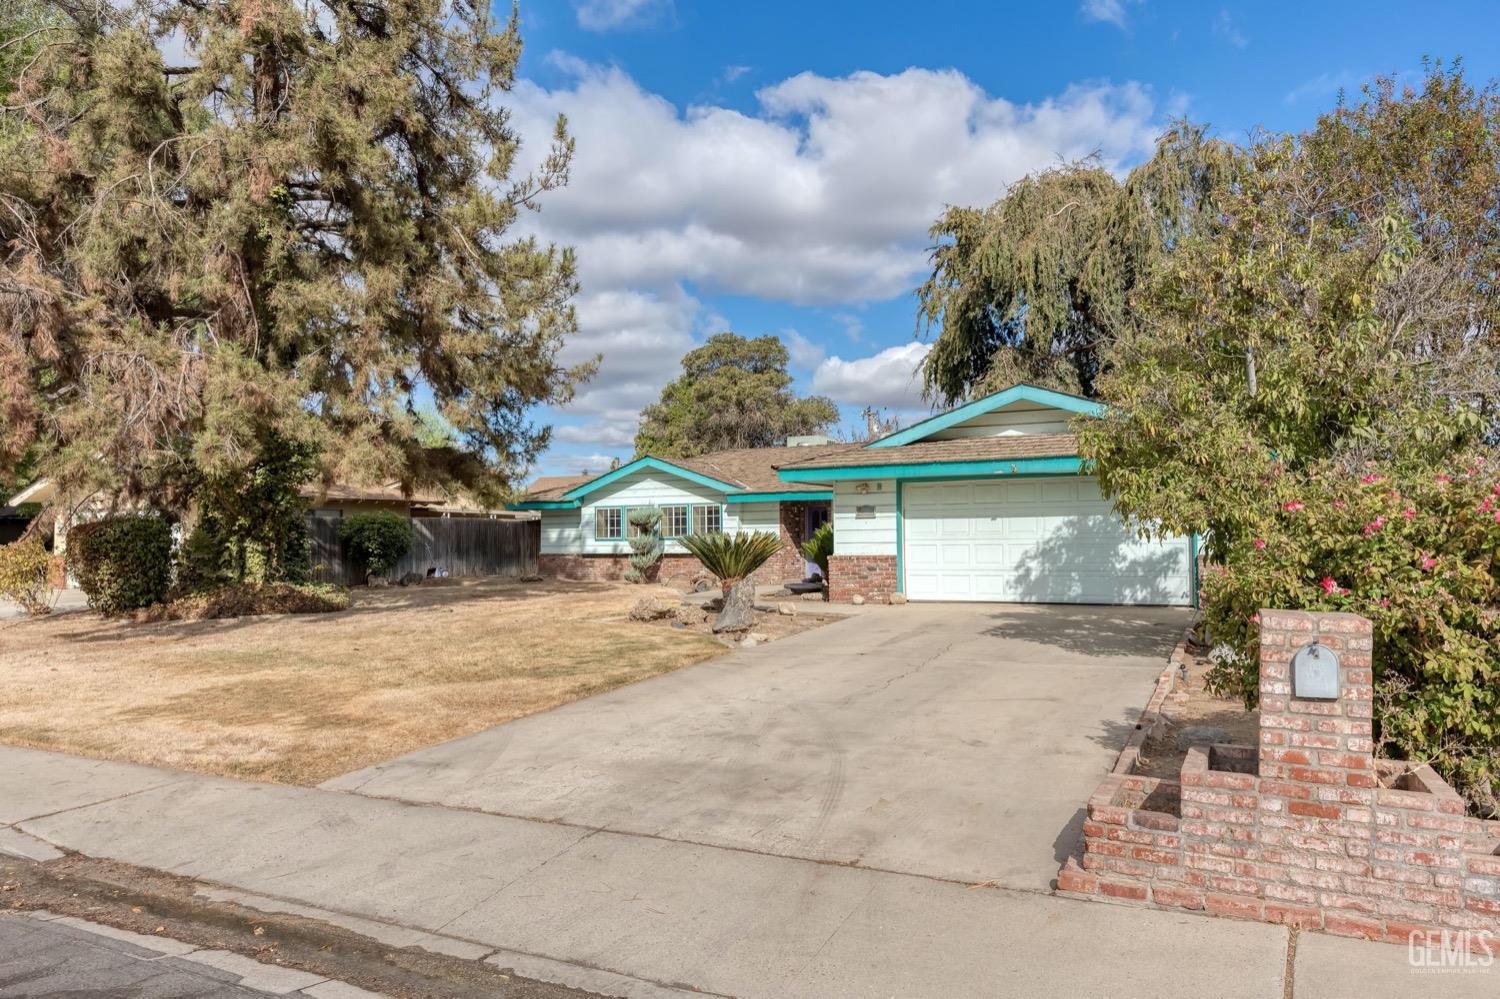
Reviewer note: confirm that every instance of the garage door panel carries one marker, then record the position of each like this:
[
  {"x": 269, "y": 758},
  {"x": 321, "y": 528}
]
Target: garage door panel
[{"x": 1055, "y": 542}]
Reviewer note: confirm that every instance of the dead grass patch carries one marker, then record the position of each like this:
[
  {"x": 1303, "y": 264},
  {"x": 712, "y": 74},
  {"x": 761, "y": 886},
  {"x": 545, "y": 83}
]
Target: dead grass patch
[{"x": 299, "y": 699}]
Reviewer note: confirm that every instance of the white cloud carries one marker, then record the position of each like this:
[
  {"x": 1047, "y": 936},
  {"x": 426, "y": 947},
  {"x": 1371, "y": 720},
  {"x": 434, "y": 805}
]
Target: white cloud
[
  {"x": 606, "y": 15},
  {"x": 603, "y": 433},
  {"x": 803, "y": 352},
  {"x": 1108, "y": 11},
  {"x": 641, "y": 335},
  {"x": 824, "y": 196},
  {"x": 821, "y": 196},
  {"x": 889, "y": 379},
  {"x": 1226, "y": 28},
  {"x": 733, "y": 73}
]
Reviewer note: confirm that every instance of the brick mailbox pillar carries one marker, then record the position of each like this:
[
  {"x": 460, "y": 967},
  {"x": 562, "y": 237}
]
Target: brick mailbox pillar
[{"x": 1307, "y": 827}]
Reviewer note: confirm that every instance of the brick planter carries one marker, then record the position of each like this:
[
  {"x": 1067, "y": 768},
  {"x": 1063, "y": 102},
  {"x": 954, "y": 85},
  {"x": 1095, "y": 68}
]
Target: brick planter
[
  {"x": 1307, "y": 828},
  {"x": 870, "y": 576}
]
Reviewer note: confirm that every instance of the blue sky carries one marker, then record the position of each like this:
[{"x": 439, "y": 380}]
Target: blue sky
[{"x": 772, "y": 167}]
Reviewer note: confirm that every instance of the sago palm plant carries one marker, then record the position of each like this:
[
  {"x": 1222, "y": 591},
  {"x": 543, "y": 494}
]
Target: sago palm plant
[{"x": 732, "y": 558}]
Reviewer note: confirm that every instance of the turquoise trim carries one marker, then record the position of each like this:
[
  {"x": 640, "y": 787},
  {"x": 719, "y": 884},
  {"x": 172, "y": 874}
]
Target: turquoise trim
[
  {"x": 900, "y": 542},
  {"x": 1016, "y": 393},
  {"x": 768, "y": 497},
  {"x": 1193, "y": 567},
  {"x": 578, "y": 492},
  {"x": 1072, "y": 465},
  {"x": 544, "y": 505}
]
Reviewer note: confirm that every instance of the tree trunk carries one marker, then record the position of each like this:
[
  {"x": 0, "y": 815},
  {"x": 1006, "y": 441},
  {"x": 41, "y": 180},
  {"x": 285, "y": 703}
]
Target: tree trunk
[{"x": 739, "y": 607}]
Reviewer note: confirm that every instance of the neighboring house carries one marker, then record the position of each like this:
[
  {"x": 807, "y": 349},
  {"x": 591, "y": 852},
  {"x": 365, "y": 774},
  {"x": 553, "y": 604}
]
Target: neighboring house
[
  {"x": 989, "y": 502},
  {"x": 585, "y": 518}
]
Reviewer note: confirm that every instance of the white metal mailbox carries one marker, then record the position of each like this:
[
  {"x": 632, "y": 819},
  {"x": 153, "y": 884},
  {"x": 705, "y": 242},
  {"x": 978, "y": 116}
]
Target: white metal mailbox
[{"x": 1315, "y": 673}]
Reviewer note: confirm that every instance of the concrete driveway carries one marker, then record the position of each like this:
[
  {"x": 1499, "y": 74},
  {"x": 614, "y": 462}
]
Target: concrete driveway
[{"x": 951, "y": 741}]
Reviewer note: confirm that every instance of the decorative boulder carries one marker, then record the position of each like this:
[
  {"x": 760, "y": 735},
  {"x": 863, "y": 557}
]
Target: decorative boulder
[
  {"x": 787, "y": 610},
  {"x": 687, "y": 614},
  {"x": 898, "y": 598},
  {"x": 739, "y": 608},
  {"x": 652, "y": 609}
]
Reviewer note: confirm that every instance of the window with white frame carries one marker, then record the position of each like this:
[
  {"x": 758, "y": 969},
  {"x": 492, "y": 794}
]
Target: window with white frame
[
  {"x": 707, "y": 519},
  {"x": 609, "y": 523},
  {"x": 674, "y": 521}
]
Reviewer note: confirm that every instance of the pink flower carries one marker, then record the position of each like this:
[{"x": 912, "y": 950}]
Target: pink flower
[
  {"x": 1339, "y": 504},
  {"x": 1329, "y": 584},
  {"x": 1255, "y": 618},
  {"x": 1408, "y": 513},
  {"x": 1485, "y": 506},
  {"x": 1428, "y": 561},
  {"x": 1292, "y": 507},
  {"x": 1444, "y": 478},
  {"x": 1374, "y": 526},
  {"x": 1260, "y": 542},
  {"x": 1497, "y": 516},
  {"x": 1369, "y": 479},
  {"x": 1385, "y": 602}
]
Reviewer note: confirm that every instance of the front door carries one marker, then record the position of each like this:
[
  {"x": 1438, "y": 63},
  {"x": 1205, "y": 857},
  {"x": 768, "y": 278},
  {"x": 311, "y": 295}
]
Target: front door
[{"x": 816, "y": 516}]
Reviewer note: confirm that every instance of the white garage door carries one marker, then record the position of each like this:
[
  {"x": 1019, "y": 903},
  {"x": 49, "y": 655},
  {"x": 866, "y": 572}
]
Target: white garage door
[{"x": 1033, "y": 540}]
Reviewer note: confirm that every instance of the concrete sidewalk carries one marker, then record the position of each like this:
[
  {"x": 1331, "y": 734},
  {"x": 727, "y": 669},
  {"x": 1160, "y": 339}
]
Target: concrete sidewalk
[{"x": 636, "y": 915}]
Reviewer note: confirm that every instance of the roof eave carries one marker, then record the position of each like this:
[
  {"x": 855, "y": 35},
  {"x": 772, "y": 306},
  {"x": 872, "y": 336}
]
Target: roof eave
[
  {"x": 1020, "y": 392},
  {"x": 1051, "y": 465}
]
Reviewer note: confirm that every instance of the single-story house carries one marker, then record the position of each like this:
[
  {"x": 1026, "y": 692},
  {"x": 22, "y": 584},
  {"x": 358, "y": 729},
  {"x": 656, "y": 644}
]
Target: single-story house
[
  {"x": 585, "y": 518},
  {"x": 989, "y": 501}
]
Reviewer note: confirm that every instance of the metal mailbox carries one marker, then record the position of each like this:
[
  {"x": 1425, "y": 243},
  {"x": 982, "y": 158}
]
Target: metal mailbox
[{"x": 1315, "y": 673}]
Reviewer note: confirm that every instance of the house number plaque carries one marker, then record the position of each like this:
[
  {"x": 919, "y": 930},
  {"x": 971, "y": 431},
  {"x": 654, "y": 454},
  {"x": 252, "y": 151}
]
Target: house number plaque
[{"x": 1315, "y": 673}]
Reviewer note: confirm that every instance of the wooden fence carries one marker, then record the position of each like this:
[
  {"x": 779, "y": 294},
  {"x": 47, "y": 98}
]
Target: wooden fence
[{"x": 464, "y": 546}]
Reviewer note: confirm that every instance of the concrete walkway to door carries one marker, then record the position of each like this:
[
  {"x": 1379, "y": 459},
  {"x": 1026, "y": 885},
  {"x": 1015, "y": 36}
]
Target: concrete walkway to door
[{"x": 956, "y": 741}]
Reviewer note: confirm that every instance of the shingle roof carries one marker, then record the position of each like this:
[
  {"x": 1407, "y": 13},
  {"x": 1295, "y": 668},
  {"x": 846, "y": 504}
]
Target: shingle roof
[
  {"x": 963, "y": 449},
  {"x": 551, "y": 487},
  {"x": 752, "y": 469}
]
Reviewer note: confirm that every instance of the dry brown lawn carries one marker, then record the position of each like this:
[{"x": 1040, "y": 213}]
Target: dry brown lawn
[{"x": 298, "y": 699}]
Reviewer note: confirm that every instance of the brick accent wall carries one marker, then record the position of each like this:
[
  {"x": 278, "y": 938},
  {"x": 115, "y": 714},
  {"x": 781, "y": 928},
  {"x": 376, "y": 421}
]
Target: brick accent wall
[
  {"x": 673, "y": 568},
  {"x": 870, "y": 576},
  {"x": 1307, "y": 828}
]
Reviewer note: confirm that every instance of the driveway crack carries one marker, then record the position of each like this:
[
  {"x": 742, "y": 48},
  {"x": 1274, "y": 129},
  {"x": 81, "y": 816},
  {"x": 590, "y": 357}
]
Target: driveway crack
[{"x": 524, "y": 874}]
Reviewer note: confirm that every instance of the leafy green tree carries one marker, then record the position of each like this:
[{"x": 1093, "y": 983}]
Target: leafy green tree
[
  {"x": 1036, "y": 286},
  {"x": 1342, "y": 312},
  {"x": 1299, "y": 385},
  {"x": 733, "y": 392},
  {"x": 293, "y": 228}
]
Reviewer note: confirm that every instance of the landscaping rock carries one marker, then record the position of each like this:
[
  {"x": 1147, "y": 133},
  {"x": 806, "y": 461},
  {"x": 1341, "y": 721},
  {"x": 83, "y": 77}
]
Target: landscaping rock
[
  {"x": 739, "y": 608},
  {"x": 652, "y": 609},
  {"x": 856, "y": 600},
  {"x": 749, "y": 642},
  {"x": 812, "y": 596},
  {"x": 898, "y": 598},
  {"x": 687, "y": 614},
  {"x": 787, "y": 610}
]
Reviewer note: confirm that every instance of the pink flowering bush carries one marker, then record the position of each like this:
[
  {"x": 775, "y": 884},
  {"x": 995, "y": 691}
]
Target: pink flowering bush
[{"x": 1419, "y": 555}]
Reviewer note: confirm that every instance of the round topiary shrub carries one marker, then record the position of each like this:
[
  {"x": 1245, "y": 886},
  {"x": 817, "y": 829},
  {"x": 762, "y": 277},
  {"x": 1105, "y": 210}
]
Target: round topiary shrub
[
  {"x": 377, "y": 539},
  {"x": 122, "y": 563}
]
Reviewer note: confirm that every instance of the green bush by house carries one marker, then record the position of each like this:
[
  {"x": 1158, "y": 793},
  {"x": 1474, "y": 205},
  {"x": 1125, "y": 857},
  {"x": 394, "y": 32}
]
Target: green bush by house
[
  {"x": 378, "y": 539},
  {"x": 122, "y": 563}
]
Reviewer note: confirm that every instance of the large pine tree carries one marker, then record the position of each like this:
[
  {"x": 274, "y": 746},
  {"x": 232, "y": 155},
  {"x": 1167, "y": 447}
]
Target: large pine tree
[{"x": 223, "y": 219}]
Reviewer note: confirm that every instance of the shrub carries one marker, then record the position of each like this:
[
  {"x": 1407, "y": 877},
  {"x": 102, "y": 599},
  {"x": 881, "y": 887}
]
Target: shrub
[
  {"x": 250, "y": 599},
  {"x": 645, "y": 544},
  {"x": 1419, "y": 555},
  {"x": 23, "y": 574},
  {"x": 252, "y": 521},
  {"x": 377, "y": 539},
  {"x": 731, "y": 558},
  {"x": 819, "y": 547},
  {"x": 122, "y": 563}
]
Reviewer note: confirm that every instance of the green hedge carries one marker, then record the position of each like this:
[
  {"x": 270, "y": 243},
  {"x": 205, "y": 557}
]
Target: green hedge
[
  {"x": 123, "y": 562},
  {"x": 377, "y": 539}
]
